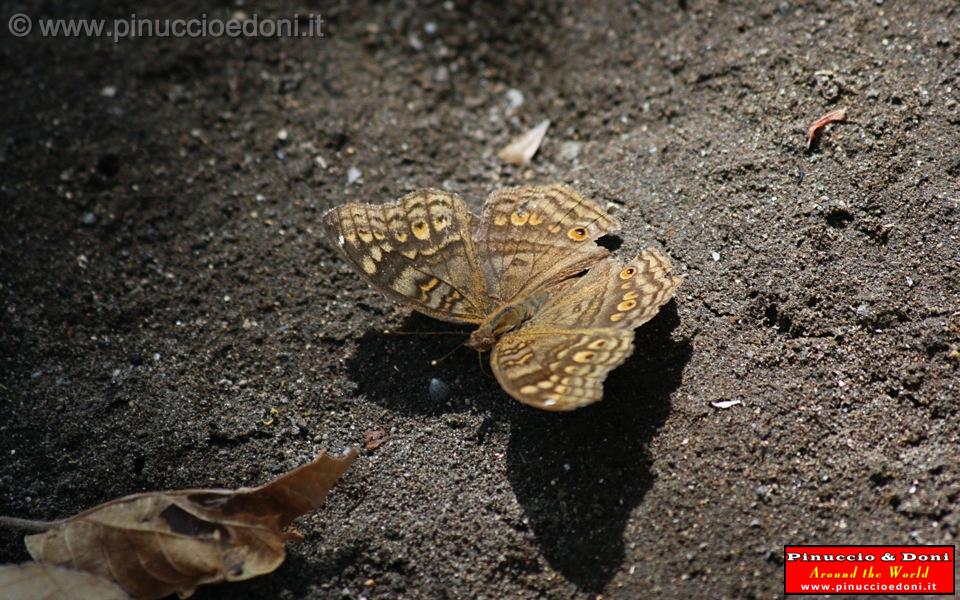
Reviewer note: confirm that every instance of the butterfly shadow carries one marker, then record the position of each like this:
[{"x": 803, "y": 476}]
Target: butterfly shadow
[
  {"x": 578, "y": 476},
  {"x": 396, "y": 369}
]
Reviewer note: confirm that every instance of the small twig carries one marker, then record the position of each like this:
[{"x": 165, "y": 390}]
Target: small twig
[{"x": 28, "y": 524}]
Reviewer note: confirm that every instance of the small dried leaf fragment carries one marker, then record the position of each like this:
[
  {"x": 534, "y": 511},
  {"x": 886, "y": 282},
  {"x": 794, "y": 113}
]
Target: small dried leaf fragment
[
  {"x": 374, "y": 438},
  {"x": 523, "y": 147},
  {"x": 40, "y": 581},
  {"x": 831, "y": 117},
  {"x": 725, "y": 403},
  {"x": 159, "y": 543}
]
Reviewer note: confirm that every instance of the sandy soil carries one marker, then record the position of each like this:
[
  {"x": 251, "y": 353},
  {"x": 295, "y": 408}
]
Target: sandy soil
[{"x": 164, "y": 288}]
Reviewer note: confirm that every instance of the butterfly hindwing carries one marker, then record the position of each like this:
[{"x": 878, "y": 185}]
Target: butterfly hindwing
[
  {"x": 530, "y": 237},
  {"x": 418, "y": 250},
  {"x": 559, "y": 359},
  {"x": 559, "y": 370}
]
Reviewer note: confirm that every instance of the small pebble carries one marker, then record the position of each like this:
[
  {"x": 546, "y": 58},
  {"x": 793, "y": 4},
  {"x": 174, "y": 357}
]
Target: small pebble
[
  {"x": 439, "y": 391},
  {"x": 570, "y": 150},
  {"x": 282, "y": 135},
  {"x": 109, "y": 91},
  {"x": 353, "y": 175},
  {"x": 715, "y": 256},
  {"x": 89, "y": 218},
  {"x": 514, "y": 98}
]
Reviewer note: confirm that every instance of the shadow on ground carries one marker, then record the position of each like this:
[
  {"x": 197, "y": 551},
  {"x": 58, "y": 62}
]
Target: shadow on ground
[{"x": 578, "y": 476}]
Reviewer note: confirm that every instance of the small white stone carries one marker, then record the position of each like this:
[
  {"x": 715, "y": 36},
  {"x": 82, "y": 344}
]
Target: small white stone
[
  {"x": 514, "y": 98},
  {"x": 108, "y": 91},
  {"x": 715, "y": 256},
  {"x": 353, "y": 175},
  {"x": 282, "y": 135},
  {"x": 570, "y": 150}
]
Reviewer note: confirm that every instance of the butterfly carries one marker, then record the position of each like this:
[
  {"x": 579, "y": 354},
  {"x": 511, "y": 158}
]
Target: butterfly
[{"x": 555, "y": 309}]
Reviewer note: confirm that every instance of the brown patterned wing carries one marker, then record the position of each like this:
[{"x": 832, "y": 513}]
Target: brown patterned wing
[
  {"x": 417, "y": 250},
  {"x": 529, "y": 237},
  {"x": 559, "y": 359}
]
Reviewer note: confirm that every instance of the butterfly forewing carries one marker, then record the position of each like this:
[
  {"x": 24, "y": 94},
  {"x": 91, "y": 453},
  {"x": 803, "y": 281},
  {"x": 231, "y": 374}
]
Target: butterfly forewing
[
  {"x": 418, "y": 250},
  {"x": 531, "y": 237},
  {"x": 612, "y": 295},
  {"x": 559, "y": 359}
]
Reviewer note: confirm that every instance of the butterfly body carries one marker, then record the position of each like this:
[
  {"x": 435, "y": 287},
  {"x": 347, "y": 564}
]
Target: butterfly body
[
  {"x": 557, "y": 311},
  {"x": 504, "y": 320}
]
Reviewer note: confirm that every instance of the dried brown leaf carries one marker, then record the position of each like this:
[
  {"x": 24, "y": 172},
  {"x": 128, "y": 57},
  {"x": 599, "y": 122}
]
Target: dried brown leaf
[
  {"x": 40, "y": 581},
  {"x": 159, "y": 543}
]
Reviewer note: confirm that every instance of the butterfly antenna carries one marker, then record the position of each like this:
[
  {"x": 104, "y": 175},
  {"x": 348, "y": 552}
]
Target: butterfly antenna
[
  {"x": 446, "y": 356},
  {"x": 482, "y": 369}
]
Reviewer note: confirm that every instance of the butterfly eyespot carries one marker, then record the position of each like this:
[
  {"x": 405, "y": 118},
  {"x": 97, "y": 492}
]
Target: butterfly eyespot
[
  {"x": 519, "y": 218},
  {"x": 597, "y": 344},
  {"x": 626, "y": 305},
  {"x": 628, "y": 273},
  {"x": 577, "y": 234},
  {"x": 421, "y": 230},
  {"x": 440, "y": 222},
  {"x": 584, "y": 356}
]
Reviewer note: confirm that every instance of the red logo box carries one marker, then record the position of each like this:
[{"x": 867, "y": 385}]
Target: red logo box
[{"x": 867, "y": 570}]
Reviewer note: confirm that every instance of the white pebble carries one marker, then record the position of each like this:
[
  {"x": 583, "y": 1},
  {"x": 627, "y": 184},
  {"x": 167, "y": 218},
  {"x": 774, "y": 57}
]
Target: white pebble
[
  {"x": 353, "y": 175},
  {"x": 514, "y": 98}
]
